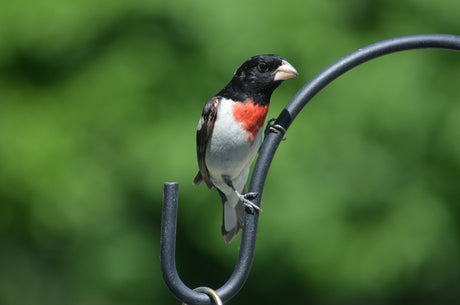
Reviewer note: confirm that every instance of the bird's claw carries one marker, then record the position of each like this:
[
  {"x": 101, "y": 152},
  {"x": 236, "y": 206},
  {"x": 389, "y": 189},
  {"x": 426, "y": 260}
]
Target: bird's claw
[
  {"x": 275, "y": 128},
  {"x": 251, "y": 195},
  {"x": 246, "y": 200}
]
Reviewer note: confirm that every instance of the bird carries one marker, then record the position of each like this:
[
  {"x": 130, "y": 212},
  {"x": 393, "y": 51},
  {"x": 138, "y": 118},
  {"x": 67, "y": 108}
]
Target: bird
[{"x": 229, "y": 135}]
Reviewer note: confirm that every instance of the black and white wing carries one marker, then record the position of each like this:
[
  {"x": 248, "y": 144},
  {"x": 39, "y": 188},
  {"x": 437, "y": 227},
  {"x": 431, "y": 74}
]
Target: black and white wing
[{"x": 203, "y": 133}]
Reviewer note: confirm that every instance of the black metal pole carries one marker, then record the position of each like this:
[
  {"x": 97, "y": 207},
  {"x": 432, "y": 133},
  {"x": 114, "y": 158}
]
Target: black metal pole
[
  {"x": 266, "y": 154},
  {"x": 362, "y": 55}
]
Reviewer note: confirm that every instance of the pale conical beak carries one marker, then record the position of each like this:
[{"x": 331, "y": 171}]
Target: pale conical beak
[{"x": 285, "y": 71}]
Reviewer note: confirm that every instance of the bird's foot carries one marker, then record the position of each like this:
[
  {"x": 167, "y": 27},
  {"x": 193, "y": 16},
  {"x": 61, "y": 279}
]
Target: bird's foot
[
  {"x": 246, "y": 200},
  {"x": 275, "y": 128}
]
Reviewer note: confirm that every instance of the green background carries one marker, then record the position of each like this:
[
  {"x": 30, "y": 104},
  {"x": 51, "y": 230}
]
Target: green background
[{"x": 99, "y": 101}]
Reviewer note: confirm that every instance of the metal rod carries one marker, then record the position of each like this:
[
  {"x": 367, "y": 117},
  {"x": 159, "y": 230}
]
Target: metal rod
[
  {"x": 354, "y": 59},
  {"x": 266, "y": 154}
]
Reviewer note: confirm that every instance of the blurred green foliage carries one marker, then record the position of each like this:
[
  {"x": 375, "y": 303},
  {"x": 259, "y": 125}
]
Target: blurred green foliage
[{"x": 98, "y": 107}]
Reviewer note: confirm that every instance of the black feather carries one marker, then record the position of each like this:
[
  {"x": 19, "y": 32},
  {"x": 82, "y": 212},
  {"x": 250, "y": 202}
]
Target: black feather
[{"x": 202, "y": 137}]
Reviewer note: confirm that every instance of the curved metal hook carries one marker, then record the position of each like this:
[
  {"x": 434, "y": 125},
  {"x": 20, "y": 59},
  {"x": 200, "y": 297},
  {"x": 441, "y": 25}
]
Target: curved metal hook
[{"x": 266, "y": 154}]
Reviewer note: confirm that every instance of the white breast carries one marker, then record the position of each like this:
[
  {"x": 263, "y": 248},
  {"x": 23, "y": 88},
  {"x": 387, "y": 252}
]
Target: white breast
[{"x": 229, "y": 152}]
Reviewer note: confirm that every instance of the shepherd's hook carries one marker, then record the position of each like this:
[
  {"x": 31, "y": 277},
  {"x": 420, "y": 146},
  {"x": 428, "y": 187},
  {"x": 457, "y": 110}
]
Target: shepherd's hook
[{"x": 266, "y": 153}]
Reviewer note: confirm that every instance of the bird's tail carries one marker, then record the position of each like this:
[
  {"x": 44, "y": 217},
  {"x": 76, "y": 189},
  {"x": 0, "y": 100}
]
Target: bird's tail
[{"x": 233, "y": 216}]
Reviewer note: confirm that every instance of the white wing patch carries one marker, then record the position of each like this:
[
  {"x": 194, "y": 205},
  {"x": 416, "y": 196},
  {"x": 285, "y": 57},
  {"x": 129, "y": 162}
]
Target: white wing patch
[{"x": 200, "y": 124}]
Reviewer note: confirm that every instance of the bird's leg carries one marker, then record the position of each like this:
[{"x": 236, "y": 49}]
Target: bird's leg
[{"x": 244, "y": 198}]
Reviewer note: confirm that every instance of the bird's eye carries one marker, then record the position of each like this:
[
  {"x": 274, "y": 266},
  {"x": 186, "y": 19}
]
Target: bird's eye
[{"x": 262, "y": 67}]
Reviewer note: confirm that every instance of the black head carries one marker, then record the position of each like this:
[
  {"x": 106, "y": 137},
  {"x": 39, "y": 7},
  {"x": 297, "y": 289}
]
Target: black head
[{"x": 258, "y": 77}]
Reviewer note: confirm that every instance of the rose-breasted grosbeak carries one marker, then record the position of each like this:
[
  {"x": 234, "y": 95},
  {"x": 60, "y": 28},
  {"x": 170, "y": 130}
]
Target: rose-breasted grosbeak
[{"x": 229, "y": 134}]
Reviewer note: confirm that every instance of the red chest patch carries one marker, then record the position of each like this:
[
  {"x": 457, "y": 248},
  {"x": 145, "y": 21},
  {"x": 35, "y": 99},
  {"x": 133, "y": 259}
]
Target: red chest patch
[{"x": 251, "y": 117}]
